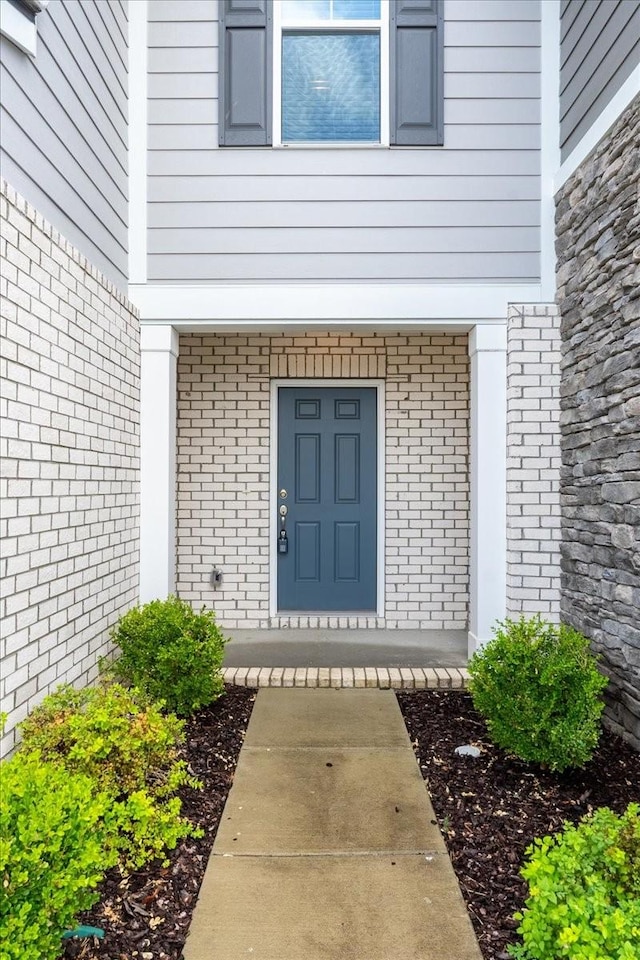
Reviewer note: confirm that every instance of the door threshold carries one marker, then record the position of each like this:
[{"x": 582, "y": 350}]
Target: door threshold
[{"x": 326, "y": 613}]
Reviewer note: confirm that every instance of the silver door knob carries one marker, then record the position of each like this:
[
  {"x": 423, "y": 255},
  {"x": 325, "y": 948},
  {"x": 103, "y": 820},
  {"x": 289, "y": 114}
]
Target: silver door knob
[{"x": 284, "y": 510}]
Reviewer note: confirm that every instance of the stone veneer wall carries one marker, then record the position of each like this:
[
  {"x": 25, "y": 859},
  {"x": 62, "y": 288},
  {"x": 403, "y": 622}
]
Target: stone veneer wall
[
  {"x": 533, "y": 461},
  {"x": 223, "y": 469},
  {"x": 598, "y": 247},
  {"x": 70, "y": 447}
]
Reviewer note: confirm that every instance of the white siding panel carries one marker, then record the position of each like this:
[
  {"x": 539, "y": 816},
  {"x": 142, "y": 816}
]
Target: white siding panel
[
  {"x": 479, "y": 267},
  {"x": 343, "y": 213},
  {"x": 468, "y": 211},
  {"x": 344, "y": 240},
  {"x": 245, "y": 194},
  {"x": 291, "y": 162},
  {"x": 64, "y": 126}
]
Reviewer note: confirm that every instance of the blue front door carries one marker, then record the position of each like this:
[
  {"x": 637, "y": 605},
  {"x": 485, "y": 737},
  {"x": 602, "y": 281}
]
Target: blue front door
[{"x": 327, "y": 498}]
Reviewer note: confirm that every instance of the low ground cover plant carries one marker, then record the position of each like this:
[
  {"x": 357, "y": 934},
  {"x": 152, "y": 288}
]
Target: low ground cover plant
[
  {"x": 53, "y": 852},
  {"x": 128, "y": 748},
  {"x": 538, "y": 687},
  {"x": 584, "y": 891},
  {"x": 172, "y": 653}
]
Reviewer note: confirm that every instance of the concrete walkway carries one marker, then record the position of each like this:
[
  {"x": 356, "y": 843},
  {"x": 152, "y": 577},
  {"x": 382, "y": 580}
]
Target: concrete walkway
[{"x": 328, "y": 848}]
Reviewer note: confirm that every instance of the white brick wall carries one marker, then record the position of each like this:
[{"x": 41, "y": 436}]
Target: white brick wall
[
  {"x": 223, "y": 469},
  {"x": 69, "y": 448},
  {"x": 533, "y": 461}
]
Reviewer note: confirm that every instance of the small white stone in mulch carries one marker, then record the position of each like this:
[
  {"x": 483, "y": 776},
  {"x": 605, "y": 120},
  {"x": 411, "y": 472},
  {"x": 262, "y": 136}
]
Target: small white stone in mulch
[{"x": 467, "y": 751}]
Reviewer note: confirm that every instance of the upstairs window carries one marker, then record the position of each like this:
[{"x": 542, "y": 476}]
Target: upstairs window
[
  {"x": 331, "y": 54},
  {"x": 331, "y": 72}
]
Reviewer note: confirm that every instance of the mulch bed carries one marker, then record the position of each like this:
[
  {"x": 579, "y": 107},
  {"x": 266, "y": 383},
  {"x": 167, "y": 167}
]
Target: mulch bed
[
  {"x": 492, "y": 807},
  {"x": 489, "y": 810},
  {"x": 146, "y": 915}
]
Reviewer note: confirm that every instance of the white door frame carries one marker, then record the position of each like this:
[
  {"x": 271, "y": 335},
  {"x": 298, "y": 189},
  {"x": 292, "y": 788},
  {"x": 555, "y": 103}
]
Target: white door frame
[{"x": 379, "y": 386}]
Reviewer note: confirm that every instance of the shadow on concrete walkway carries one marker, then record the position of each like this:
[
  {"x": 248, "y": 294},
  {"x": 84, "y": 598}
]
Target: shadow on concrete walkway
[{"x": 328, "y": 848}]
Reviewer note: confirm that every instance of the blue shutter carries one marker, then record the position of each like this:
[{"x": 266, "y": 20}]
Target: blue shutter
[
  {"x": 245, "y": 73},
  {"x": 416, "y": 98}
]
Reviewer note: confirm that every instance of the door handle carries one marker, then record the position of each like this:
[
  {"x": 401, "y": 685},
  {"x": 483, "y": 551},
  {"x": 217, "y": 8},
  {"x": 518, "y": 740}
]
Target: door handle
[{"x": 283, "y": 540}]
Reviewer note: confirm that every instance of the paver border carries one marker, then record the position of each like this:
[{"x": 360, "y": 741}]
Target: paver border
[{"x": 398, "y": 678}]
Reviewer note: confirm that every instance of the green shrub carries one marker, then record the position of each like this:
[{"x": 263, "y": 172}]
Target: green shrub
[
  {"x": 584, "y": 891},
  {"x": 538, "y": 687},
  {"x": 172, "y": 653},
  {"x": 52, "y": 837},
  {"x": 129, "y": 749}
]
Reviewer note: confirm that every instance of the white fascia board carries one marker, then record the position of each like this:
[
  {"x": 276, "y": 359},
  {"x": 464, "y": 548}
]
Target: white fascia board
[
  {"x": 18, "y": 27},
  {"x": 616, "y": 106},
  {"x": 263, "y": 306}
]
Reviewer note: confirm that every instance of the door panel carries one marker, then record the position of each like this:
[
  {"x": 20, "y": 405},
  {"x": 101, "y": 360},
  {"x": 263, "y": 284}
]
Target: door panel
[{"x": 327, "y": 464}]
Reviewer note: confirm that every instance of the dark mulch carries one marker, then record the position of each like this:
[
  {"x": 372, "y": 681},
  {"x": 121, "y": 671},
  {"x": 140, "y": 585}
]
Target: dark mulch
[
  {"x": 146, "y": 915},
  {"x": 491, "y": 808}
]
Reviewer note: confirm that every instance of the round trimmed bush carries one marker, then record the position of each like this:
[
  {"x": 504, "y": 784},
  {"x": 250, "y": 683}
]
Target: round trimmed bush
[
  {"x": 171, "y": 653},
  {"x": 539, "y": 689}
]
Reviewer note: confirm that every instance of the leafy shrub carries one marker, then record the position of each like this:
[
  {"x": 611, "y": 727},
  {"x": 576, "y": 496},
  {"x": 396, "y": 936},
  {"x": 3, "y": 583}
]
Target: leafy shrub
[
  {"x": 129, "y": 750},
  {"x": 52, "y": 837},
  {"x": 172, "y": 653},
  {"x": 584, "y": 891},
  {"x": 538, "y": 687}
]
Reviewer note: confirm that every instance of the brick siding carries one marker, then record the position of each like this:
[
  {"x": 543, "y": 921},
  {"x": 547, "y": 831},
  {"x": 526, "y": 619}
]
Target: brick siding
[
  {"x": 70, "y": 447},
  {"x": 533, "y": 461},
  {"x": 224, "y": 463}
]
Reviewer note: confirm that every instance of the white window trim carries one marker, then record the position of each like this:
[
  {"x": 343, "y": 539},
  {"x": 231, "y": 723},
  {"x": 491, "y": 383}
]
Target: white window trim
[
  {"x": 328, "y": 26},
  {"x": 19, "y": 27},
  {"x": 379, "y": 386}
]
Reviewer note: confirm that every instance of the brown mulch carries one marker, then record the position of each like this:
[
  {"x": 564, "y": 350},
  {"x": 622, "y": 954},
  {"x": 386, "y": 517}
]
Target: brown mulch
[
  {"x": 492, "y": 807},
  {"x": 489, "y": 810},
  {"x": 146, "y": 915}
]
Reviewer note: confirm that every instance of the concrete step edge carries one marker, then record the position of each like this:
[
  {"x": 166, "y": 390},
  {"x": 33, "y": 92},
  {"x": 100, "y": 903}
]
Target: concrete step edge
[{"x": 398, "y": 678}]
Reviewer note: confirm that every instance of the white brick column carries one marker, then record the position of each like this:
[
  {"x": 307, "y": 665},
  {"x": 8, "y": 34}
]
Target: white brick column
[
  {"x": 158, "y": 402},
  {"x": 488, "y": 561}
]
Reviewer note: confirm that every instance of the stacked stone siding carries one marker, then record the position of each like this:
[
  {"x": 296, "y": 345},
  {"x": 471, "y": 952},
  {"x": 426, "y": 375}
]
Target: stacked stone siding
[
  {"x": 533, "y": 461},
  {"x": 224, "y": 469},
  {"x": 598, "y": 246},
  {"x": 70, "y": 416}
]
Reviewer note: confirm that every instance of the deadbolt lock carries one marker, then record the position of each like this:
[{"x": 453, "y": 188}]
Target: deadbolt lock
[
  {"x": 283, "y": 510},
  {"x": 283, "y": 494}
]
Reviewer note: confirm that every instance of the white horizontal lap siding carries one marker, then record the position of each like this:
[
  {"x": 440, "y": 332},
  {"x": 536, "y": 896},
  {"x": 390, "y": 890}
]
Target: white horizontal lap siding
[
  {"x": 468, "y": 211},
  {"x": 64, "y": 126},
  {"x": 599, "y": 49}
]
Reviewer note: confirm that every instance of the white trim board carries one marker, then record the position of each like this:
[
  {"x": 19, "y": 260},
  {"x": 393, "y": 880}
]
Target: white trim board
[
  {"x": 137, "y": 142},
  {"x": 275, "y": 384},
  {"x": 616, "y": 106},
  {"x": 549, "y": 141},
  {"x": 212, "y": 306},
  {"x": 18, "y": 27}
]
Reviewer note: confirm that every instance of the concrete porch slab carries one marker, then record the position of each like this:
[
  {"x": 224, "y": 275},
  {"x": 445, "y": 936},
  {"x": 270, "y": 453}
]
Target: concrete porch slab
[
  {"x": 388, "y": 907},
  {"x": 346, "y": 648},
  {"x": 326, "y": 718},
  {"x": 345, "y": 801}
]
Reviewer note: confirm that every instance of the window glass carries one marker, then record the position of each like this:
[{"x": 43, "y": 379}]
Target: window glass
[
  {"x": 356, "y": 9},
  {"x": 297, "y": 10},
  {"x": 331, "y": 87},
  {"x": 305, "y": 10}
]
